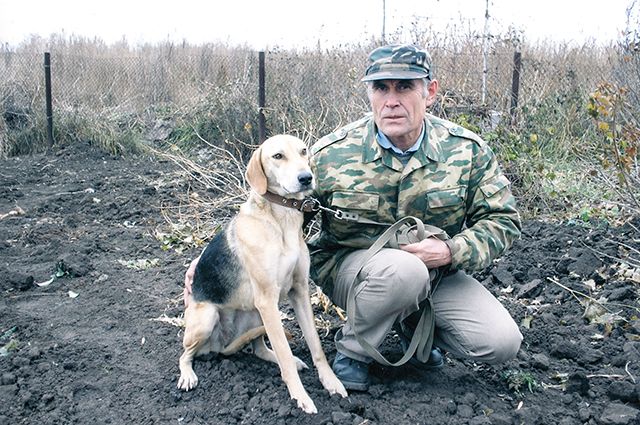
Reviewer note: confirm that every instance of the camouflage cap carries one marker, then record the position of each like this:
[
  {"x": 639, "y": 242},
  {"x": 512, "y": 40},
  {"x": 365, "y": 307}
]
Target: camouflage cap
[{"x": 398, "y": 62}]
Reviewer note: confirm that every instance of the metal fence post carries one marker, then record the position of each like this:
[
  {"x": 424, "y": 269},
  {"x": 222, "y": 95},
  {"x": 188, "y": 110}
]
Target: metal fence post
[
  {"x": 262, "y": 131},
  {"x": 47, "y": 88}
]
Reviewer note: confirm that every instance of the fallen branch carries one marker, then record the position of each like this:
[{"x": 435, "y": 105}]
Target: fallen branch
[
  {"x": 597, "y": 375},
  {"x": 611, "y": 257},
  {"x": 17, "y": 211},
  {"x": 573, "y": 292},
  {"x": 629, "y": 247},
  {"x": 626, "y": 369}
]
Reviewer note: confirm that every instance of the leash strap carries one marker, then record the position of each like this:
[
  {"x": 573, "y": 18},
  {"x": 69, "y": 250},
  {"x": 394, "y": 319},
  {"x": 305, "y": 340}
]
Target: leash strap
[{"x": 401, "y": 232}]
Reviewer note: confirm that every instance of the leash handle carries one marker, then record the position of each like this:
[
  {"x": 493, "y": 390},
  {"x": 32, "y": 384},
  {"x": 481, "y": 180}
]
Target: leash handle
[{"x": 418, "y": 343}]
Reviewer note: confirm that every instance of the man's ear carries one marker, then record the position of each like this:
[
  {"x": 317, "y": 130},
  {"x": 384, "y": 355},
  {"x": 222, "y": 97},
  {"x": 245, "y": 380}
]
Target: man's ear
[
  {"x": 432, "y": 92},
  {"x": 255, "y": 173}
]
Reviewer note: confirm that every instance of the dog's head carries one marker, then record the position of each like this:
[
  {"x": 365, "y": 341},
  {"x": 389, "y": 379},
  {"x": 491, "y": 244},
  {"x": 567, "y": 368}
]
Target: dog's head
[{"x": 281, "y": 165}]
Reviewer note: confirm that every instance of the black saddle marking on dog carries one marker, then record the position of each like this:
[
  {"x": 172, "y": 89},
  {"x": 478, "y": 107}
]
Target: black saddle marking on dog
[{"x": 217, "y": 273}]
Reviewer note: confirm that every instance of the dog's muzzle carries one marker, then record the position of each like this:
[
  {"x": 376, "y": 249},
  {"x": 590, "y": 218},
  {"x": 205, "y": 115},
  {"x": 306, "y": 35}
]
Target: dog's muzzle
[{"x": 305, "y": 179}]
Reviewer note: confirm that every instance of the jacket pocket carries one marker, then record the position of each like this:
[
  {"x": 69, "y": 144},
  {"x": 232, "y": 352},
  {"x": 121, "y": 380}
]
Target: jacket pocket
[
  {"x": 355, "y": 201},
  {"x": 449, "y": 198},
  {"x": 352, "y": 233},
  {"x": 446, "y": 209}
]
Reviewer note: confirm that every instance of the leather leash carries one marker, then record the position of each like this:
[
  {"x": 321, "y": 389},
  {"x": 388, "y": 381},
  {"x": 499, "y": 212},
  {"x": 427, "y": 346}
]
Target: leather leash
[
  {"x": 422, "y": 338},
  {"x": 399, "y": 233}
]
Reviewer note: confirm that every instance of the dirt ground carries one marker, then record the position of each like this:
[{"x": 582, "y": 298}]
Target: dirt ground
[{"x": 99, "y": 343}]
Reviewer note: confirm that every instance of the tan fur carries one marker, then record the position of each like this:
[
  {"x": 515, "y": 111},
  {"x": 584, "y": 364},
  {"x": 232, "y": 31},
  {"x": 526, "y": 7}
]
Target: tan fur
[{"x": 269, "y": 243}]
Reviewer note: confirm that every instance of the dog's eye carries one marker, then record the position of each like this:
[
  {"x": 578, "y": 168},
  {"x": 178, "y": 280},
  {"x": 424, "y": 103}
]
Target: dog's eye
[
  {"x": 304, "y": 152},
  {"x": 278, "y": 156}
]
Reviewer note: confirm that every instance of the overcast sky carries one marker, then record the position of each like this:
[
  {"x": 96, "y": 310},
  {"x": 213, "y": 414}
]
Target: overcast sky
[{"x": 297, "y": 23}]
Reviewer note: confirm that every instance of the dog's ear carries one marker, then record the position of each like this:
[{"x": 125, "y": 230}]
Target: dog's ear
[{"x": 255, "y": 173}]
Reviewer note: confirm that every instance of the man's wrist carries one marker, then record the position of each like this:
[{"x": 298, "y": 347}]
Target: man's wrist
[{"x": 452, "y": 249}]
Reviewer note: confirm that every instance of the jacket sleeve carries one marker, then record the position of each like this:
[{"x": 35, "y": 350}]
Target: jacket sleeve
[{"x": 492, "y": 222}]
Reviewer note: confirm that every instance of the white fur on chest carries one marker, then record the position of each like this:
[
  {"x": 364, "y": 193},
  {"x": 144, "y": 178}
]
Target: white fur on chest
[{"x": 283, "y": 255}]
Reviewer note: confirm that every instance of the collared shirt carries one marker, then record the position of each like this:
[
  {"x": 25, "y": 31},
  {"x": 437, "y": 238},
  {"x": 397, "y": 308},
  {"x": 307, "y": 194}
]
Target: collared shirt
[{"x": 403, "y": 156}]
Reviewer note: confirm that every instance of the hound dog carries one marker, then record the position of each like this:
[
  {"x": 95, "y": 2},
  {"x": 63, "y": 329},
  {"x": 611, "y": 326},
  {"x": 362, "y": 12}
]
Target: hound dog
[{"x": 246, "y": 270}]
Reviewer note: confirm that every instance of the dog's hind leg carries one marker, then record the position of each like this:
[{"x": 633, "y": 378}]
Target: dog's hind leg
[
  {"x": 200, "y": 319},
  {"x": 263, "y": 352}
]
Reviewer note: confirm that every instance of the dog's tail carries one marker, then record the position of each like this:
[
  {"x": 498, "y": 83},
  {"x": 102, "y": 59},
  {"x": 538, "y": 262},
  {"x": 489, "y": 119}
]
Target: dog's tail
[{"x": 243, "y": 340}]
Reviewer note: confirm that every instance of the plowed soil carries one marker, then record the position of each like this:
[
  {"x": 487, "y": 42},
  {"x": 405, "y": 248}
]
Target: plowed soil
[{"x": 99, "y": 344}]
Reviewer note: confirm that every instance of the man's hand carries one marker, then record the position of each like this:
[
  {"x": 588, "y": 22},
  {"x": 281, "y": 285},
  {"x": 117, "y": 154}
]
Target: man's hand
[
  {"x": 188, "y": 281},
  {"x": 433, "y": 252}
]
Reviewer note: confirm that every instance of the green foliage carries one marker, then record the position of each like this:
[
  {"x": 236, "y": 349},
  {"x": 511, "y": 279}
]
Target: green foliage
[
  {"x": 61, "y": 270},
  {"x": 518, "y": 381},
  {"x": 619, "y": 128},
  {"x": 555, "y": 157},
  {"x": 468, "y": 121},
  {"x": 9, "y": 342}
]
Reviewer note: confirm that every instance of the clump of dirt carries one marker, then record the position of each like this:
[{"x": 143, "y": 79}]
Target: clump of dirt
[{"x": 91, "y": 303}]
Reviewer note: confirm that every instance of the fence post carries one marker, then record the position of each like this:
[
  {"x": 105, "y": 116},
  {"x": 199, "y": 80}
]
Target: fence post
[
  {"x": 515, "y": 85},
  {"x": 262, "y": 131},
  {"x": 47, "y": 88}
]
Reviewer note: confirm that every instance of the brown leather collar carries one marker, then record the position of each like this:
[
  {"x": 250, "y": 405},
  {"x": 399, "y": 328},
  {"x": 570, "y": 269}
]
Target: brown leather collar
[{"x": 304, "y": 205}]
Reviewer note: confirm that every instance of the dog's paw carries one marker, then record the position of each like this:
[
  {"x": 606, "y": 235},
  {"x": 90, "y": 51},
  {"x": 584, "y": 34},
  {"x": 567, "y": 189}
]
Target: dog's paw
[
  {"x": 336, "y": 387},
  {"x": 300, "y": 365},
  {"x": 306, "y": 404},
  {"x": 188, "y": 381},
  {"x": 332, "y": 384}
]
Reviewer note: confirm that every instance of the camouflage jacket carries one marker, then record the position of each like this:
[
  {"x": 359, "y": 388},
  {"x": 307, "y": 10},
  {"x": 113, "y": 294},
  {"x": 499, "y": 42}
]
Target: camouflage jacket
[{"x": 453, "y": 182}]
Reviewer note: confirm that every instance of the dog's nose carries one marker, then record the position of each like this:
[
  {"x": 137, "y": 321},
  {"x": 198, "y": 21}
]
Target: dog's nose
[{"x": 305, "y": 179}]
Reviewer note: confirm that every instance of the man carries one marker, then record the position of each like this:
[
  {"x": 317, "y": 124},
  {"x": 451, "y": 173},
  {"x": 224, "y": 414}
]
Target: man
[{"x": 398, "y": 162}]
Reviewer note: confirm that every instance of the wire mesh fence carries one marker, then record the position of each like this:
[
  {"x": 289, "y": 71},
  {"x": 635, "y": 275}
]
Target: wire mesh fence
[{"x": 309, "y": 92}]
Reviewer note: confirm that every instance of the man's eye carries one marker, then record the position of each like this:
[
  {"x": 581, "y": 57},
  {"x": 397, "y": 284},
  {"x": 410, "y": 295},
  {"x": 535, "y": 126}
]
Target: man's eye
[
  {"x": 379, "y": 86},
  {"x": 278, "y": 156}
]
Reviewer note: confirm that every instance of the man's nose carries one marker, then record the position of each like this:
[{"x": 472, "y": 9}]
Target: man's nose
[{"x": 391, "y": 99}]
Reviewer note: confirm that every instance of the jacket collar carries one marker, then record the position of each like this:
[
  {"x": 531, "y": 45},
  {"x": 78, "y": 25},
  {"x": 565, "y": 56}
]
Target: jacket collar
[{"x": 430, "y": 149}]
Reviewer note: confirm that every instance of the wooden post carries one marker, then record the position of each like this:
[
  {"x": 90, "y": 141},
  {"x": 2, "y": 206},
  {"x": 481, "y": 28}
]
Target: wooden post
[
  {"x": 515, "y": 85},
  {"x": 47, "y": 89},
  {"x": 262, "y": 131}
]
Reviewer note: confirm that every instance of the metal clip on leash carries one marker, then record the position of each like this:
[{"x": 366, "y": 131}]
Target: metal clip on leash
[
  {"x": 341, "y": 215},
  {"x": 313, "y": 204}
]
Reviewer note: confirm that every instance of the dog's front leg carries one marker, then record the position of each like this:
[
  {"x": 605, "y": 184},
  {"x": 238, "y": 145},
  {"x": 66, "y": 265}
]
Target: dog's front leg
[
  {"x": 299, "y": 297},
  {"x": 267, "y": 304}
]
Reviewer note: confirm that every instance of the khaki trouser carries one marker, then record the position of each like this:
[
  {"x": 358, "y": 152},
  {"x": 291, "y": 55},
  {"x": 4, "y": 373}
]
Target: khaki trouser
[{"x": 470, "y": 321}]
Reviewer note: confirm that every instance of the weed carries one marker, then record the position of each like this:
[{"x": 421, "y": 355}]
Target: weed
[
  {"x": 517, "y": 381},
  {"x": 61, "y": 270},
  {"x": 11, "y": 344}
]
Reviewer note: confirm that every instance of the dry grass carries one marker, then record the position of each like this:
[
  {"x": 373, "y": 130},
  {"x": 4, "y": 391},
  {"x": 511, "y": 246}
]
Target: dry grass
[{"x": 115, "y": 96}]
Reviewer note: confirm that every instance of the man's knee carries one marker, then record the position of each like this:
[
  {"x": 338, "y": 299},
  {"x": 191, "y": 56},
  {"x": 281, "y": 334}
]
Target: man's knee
[
  {"x": 502, "y": 345},
  {"x": 401, "y": 275},
  {"x": 508, "y": 349}
]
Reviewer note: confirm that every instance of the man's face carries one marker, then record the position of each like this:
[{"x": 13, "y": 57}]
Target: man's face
[{"x": 399, "y": 106}]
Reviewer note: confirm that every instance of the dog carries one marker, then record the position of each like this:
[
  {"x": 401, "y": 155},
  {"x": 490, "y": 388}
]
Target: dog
[{"x": 250, "y": 266}]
